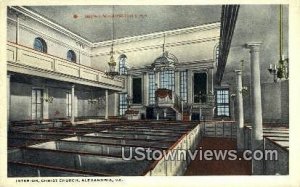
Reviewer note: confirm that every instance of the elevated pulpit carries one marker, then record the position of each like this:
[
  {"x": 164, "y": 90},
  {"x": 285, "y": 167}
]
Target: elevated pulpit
[
  {"x": 164, "y": 97},
  {"x": 132, "y": 114}
]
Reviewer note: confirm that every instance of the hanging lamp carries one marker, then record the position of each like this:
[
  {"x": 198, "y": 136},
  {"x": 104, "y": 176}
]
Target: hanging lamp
[{"x": 112, "y": 63}]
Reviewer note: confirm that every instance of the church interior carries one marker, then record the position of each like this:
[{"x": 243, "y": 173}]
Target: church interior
[{"x": 86, "y": 82}]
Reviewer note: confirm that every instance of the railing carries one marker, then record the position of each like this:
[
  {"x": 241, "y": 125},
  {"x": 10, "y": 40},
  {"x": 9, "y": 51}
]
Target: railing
[
  {"x": 275, "y": 140},
  {"x": 27, "y": 57},
  {"x": 225, "y": 129}
]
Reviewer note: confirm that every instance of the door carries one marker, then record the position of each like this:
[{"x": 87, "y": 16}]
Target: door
[{"x": 150, "y": 113}]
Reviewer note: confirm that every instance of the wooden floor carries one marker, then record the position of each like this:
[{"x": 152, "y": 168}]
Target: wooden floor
[{"x": 218, "y": 167}]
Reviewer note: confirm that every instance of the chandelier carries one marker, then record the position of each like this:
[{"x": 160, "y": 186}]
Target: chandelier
[
  {"x": 112, "y": 63},
  {"x": 165, "y": 62},
  {"x": 280, "y": 70}
]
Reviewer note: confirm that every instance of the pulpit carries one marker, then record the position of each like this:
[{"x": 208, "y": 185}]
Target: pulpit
[{"x": 132, "y": 114}]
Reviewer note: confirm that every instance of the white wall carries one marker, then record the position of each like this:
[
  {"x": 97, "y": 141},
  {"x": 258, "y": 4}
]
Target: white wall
[
  {"x": 58, "y": 44},
  {"x": 259, "y": 23},
  {"x": 21, "y": 101},
  {"x": 196, "y": 45},
  {"x": 189, "y": 45}
]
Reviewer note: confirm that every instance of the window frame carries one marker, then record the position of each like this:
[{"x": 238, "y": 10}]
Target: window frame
[
  {"x": 73, "y": 57},
  {"x": 123, "y": 105},
  {"x": 167, "y": 79},
  {"x": 204, "y": 99},
  {"x": 222, "y": 105},
  {"x": 152, "y": 88},
  {"x": 123, "y": 64},
  {"x": 134, "y": 90},
  {"x": 183, "y": 85},
  {"x": 68, "y": 104},
  {"x": 35, "y": 103},
  {"x": 42, "y": 47}
]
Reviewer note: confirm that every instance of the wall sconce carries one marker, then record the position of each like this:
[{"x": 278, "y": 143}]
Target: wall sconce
[
  {"x": 244, "y": 90},
  {"x": 280, "y": 70}
]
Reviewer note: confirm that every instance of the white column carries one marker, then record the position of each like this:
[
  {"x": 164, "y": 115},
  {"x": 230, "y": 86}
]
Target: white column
[
  {"x": 190, "y": 86},
  {"x": 239, "y": 97},
  {"x": 73, "y": 104},
  {"x": 257, "y": 130},
  {"x": 146, "y": 88},
  {"x": 18, "y": 29},
  {"x": 129, "y": 85},
  {"x": 212, "y": 80},
  {"x": 79, "y": 57},
  {"x": 8, "y": 98},
  {"x": 116, "y": 104},
  {"x": 212, "y": 91},
  {"x": 157, "y": 79},
  {"x": 177, "y": 82},
  {"x": 106, "y": 104}
]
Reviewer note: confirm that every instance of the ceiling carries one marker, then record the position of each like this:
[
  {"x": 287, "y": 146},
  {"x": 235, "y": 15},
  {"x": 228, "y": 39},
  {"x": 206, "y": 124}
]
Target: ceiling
[{"x": 94, "y": 23}]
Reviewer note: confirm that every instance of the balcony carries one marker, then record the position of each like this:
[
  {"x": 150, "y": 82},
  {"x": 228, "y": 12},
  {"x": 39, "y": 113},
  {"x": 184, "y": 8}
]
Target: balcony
[{"x": 25, "y": 60}]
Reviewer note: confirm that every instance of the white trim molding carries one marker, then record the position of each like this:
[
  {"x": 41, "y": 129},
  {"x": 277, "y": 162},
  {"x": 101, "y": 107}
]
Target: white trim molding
[
  {"x": 203, "y": 27},
  {"x": 50, "y": 38},
  {"x": 82, "y": 41},
  {"x": 158, "y": 46},
  {"x": 48, "y": 23}
]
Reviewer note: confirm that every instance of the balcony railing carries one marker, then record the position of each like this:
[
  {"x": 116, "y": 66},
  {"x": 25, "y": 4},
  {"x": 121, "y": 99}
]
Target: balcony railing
[{"x": 22, "y": 56}]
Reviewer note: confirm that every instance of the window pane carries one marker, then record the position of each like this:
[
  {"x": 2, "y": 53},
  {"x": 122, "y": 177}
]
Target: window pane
[
  {"x": 152, "y": 88},
  {"x": 183, "y": 85},
  {"x": 167, "y": 79},
  {"x": 40, "y": 45},
  {"x": 123, "y": 103},
  {"x": 39, "y": 112},
  {"x": 71, "y": 56},
  {"x": 222, "y": 102},
  {"x": 33, "y": 107},
  {"x": 123, "y": 65}
]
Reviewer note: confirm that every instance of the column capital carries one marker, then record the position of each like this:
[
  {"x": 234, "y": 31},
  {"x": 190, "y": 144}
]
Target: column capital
[
  {"x": 238, "y": 72},
  {"x": 253, "y": 46},
  {"x": 73, "y": 86}
]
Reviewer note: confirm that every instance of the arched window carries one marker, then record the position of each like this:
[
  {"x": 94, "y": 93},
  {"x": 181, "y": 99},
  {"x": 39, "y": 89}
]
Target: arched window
[
  {"x": 71, "y": 56},
  {"x": 40, "y": 45},
  {"x": 123, "y": 64}
]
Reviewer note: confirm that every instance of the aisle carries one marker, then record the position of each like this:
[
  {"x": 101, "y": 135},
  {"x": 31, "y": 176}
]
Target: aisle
[{"x": 218, "y": 167}]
